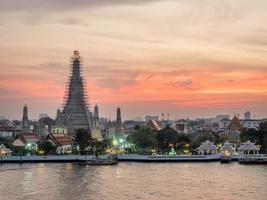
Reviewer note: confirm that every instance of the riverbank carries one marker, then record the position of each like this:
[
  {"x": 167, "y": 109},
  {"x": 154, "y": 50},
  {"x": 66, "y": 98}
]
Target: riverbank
[{"x": 122, "y": 158}]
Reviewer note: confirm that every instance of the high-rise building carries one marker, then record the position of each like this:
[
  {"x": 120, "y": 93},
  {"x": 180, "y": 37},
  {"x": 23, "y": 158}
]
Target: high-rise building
[
  {"x": 75, "y": 114},
  {"x": 25, "y": 121},
  {"x": 247, "y": 115},
  {"x": 43, "y": 115}
]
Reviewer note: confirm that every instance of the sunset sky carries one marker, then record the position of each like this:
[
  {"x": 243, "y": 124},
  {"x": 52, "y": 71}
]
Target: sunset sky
[{"x": 189, "y": 58}]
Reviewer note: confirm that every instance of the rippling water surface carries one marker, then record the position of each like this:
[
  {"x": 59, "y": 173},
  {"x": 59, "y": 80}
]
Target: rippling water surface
[{"x": 131, "y": 181}]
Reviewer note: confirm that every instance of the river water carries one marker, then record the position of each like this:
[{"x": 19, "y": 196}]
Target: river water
[{"x": 130, "y": 181}]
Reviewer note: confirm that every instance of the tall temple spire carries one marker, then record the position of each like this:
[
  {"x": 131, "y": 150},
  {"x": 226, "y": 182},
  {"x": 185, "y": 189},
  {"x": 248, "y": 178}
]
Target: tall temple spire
[
  {"x": 25, "y": 120},
  {"x": 96, "y": 116},
  {"x": 96, "y": 112},
  {"x": 58, "y": 116},
  {"x": 118, "y": 120},
  {"x": 75, "y": 114},
  {"x": 96, "y": 131}
]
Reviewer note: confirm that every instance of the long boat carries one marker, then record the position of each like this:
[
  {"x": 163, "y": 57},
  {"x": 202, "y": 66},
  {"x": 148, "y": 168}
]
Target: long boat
[
  {"x": 169, "y": 158},
  {"x": 253, "y": 160},
  {"x": 225, "y": 159},
  {"x": 99, "y": 161}
]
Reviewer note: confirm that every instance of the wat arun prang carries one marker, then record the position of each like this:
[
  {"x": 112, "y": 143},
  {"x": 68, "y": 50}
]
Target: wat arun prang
[{"x": 75, "y": 114}]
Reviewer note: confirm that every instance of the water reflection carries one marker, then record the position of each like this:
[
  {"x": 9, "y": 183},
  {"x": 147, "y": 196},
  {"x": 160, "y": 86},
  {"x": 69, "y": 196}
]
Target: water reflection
[{"x": 131, "y": 181}]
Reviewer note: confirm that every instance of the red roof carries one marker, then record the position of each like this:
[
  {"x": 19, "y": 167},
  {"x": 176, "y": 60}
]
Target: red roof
[
  {"x": 59, "y": 139},
  {"x": 29, "y": 137}
]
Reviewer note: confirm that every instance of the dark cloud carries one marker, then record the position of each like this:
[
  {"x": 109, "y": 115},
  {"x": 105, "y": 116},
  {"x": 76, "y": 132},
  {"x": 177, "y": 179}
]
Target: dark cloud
[{"x": 52, "y": 5}]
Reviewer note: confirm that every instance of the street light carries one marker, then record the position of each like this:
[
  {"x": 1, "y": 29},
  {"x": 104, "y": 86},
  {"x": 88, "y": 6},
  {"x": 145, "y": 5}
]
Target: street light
[{"x": 114, "y": 142}]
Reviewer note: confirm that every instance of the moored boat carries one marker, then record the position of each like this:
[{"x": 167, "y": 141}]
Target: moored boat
[
  {"x": 225, "y": 159},
  {"x": 253, "y": 160},
  {"x": 100, "y": 161}
]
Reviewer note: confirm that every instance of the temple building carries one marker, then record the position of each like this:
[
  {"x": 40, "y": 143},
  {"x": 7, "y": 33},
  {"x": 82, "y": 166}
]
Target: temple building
[
  {"x": 25, "y": 121},
  {"x": 248, "y": 148},
  {"x": 206, "y": 148},
  {"x": 114, "y": 130},
  {"x": 228, "y": 149},
  {"x": 95, "y": 130},
  {"x": 60, "y": 141},
  {"x": 119, "y": 128},
  {"x": 75, "y": 114},
  {"x": 153, "y": 124},
  {"x": 234, "y": 130}
]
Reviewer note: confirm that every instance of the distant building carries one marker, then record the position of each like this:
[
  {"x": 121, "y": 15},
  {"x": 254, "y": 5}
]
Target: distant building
[
  {"x": 137, "y": 118},
  {"x": 247, "y": 115},
  {"x": 245, "y": 123},
  {"x": 221, "y": 117},
  {"x": 149, "y": 117},
  {"x": 5, "y": 122},
  {"x": 2, "y": 117},
  {"x": 25, "y": 121},
  {"x": 130, "y": 125},
  {"x": 7, "y": 132},
  {"x": 43, "y": 115},
  {"x": 96, "y": 130}
]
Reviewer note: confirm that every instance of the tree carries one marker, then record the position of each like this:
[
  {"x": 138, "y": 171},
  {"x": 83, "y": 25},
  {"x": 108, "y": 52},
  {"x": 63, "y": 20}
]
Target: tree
[
  {"x": 47, "y": 147},
  {"x": 202, "y": 137},
  {"x": 182, "y": 140},
  {"x": 167, "y": 138},
  {"x": 250, "y": 134},
  {"x": 263, "y": 137},
  {"x": 6, "y": 142},
  {"x": 107, "y": 142},
  {"x": 82, "y": 140},
  {"x": 143, "y": 138}
]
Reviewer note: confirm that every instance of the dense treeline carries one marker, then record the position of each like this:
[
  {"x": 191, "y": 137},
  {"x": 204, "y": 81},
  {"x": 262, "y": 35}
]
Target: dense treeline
[{"x": 146, "y": 140}]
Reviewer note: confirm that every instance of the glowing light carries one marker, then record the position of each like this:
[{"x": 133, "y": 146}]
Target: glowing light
[
  {"x": 114, "y": 142},
  {"x": 186, "y": 151},
  {"x": 41, "y": 152},
  {"x": 226, "y": 153}
]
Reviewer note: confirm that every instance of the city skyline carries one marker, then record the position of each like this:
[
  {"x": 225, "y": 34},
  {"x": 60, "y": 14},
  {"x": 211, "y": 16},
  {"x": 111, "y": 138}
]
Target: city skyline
[{"x": 210, "y": 58}]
